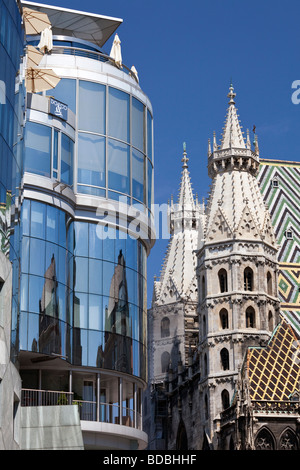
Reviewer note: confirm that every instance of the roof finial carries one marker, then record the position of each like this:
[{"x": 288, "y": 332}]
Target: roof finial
[
  {"x": 184, "y": 158},
  {"x": 231, "y": 94}
]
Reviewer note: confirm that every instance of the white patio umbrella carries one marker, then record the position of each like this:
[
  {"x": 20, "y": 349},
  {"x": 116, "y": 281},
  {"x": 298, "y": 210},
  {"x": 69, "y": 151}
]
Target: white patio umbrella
[
  {"x": 33, "y": 57},
  {"x": 46, "y": 43},
  {"x": 37, "y": 79},
  {"x": 35, "y": 21},
  {"x": 115, "y": 52},
  {"x": 134, "y": 73}
]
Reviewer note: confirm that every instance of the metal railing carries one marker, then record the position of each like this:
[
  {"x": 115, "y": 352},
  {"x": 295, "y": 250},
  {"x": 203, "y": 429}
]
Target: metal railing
[
  {"x": 88, "y": 410},
  {"x": 81, "y": 52}
]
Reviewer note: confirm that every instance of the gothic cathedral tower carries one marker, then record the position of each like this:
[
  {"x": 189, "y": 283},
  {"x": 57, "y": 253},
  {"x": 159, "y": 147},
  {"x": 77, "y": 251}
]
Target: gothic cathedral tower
[{"x": 236, "y": 270}]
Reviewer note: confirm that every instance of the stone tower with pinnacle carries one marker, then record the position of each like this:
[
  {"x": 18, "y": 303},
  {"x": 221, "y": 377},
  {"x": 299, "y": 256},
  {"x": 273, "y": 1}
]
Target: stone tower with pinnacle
[{"x": 236, "y": 270}]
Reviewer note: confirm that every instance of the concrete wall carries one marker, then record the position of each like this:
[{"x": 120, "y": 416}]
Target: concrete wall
[
  {"x": 10, "y": 382},
  {"x": 51, "y": 428}
]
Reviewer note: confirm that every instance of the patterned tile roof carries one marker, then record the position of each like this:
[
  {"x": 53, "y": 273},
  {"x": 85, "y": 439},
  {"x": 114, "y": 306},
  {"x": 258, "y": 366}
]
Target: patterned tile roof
[{"x": 274, "y": 370}]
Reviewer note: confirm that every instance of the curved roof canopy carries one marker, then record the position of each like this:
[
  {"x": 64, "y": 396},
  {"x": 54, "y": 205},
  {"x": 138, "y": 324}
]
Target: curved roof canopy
[{"x": 91, "y": 27}]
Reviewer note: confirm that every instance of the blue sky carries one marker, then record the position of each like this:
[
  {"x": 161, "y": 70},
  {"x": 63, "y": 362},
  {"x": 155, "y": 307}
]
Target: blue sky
[{"x": 186, "y": 53}]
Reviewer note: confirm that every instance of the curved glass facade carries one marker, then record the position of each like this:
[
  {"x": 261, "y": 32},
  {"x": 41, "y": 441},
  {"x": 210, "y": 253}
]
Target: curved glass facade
[
  {"x": 84, "y": 295},
  {"x": 114, "y": 155},
  {"x": 11, "y": 50}
]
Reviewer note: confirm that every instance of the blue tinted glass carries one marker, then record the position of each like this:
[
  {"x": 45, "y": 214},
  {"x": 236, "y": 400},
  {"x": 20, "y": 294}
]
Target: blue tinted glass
[
  {"x": 24, "y": 292},
  {"x": 91, "y": 170},
  {"x": 95, "y": 241},
  {"x": 23, "y": 330},
  {"x": 52, "y": 224},
  {"x": 55, "y": 151},
  {"x": 149, "y": 136},
  {"x": 150, "y": 184},
  {"x": 80, "y": 310},
  {"x": 67, "y": 147},
  {"x": 80, "y": 239},
  {"x": 37, "y": 149},
  {"x": 91, "y": 190},
  {"x": 95, "y": 276},
  {"x": 118, "y": 166},
  {"x": 95, "y": 312},
  {"x": 118, "y": 114},
  {"x": 61, "y": 301},
  {"x": 138, "y": 175},
  {"x": 62, "y": 229},
  {"x": 51, "y": 261},
  {"x": 62, "y": 264},
  {"x": 37, "y": 219},
  {"x": 91, "y": 116},
  {"x": 95, "y": 348},
  {"x": 37, "y": 257},
  {"x": 65, "y": 91},
  {"x": 137, "y": 124},
  {"x": 81, "y": 274},
  {"x": 25, "y": 255},
  {"x": 108, "y": 279},
  {"x": 36, "y": 296}
]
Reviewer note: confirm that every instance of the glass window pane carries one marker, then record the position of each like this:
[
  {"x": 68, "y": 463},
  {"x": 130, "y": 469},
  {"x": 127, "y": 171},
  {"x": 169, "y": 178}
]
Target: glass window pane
[
  {"x": 118, "y": 114},
  {"x": 95, "y": 312},
  {"x": 37, "y": 219},
  {"x": 108, "y": 279},
  {"x": 81, "y": 274},
  {"x": 55, "y": 151},
  {"x": 65, "y": 91},
  {"x": 37, "y": 257},
  {"x": 67, "y": 147},
  {"x": 80, "y": 310},
  {"x": 118, "y": 166},
  {"x": 81, "y": 239},
  {"x": 95, "y": 276},
  {"x": 138, "y": 124},
  {"x": 95, "y": 241},
  {"x": 138, "y": 175},
  {"x": 37, "y": 149},
  {"x": 35, "y": 296},
  {"x": 149, "y": 136},
  {"x": 91, "y": 159},
  {"x": 91, "y": 116},
  {"x": 150, "y": 184},
  {"x": 52, "y": 224}
]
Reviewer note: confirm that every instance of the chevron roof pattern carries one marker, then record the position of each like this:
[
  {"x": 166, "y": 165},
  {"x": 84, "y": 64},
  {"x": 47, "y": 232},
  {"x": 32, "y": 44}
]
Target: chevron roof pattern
[{"x": 279, "y": 185}]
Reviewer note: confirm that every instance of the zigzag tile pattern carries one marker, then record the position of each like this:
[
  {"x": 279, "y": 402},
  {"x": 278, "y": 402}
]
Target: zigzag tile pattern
[{"x": 283, "y": 202}]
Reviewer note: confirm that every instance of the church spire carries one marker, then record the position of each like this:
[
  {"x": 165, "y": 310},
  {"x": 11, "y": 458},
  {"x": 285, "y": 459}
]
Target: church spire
[
  {"x": 235, "y": 152},
  {"x": 232, "y": 135}
]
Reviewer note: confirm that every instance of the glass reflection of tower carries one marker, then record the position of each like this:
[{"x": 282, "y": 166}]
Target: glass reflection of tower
[{"x": 81, "y": 322}]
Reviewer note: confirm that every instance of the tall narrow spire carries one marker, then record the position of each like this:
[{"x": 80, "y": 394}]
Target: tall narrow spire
[
  {"x": 186, "y": 197},
  {"x": 232, "y": 135}
]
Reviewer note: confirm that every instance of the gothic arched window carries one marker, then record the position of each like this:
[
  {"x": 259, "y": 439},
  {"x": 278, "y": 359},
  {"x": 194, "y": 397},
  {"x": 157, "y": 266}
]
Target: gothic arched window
[
  {"x": 225, "y": 399},
  {"x": 264, "y": 440},
  {"x": 165, "y": 327},
  {"x": 288, "y": 441},
  {"x": 205, "y": 365},
  {"x": 269, "y": 284},
  {"x": 165, "y": 361},
  {"x": 250, "y": 317},
  {"x": 248, "y": 279},
  {"x": 206, "y": 407},
  {"x": 270, "y": 321},
  {"x": 224, "y": 318},
  {"x": 222, "y": 274},
  {"x": 224, "y": 354},
  {"x": 203, "y": 287}
]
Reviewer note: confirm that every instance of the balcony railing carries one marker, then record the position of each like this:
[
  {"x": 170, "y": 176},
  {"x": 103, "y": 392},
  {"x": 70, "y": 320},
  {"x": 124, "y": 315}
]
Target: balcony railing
[
  {"x": 81, "y": 52},
  {"x": 88, "y": 410}
]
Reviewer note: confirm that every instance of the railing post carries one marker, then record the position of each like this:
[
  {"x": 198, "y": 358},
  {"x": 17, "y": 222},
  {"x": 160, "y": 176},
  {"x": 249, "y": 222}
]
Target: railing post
[
  {"x": 70, "y": 386},
  {"x": 120, "y": 400},
  {"x": 98, "y": 397}
]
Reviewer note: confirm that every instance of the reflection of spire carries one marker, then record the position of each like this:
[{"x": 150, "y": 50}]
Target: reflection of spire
[{"x": 177, "y": 274}]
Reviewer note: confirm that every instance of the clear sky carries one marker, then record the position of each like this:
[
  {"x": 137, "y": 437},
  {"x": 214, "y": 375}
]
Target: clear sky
[{"x": 186, "y": 53}]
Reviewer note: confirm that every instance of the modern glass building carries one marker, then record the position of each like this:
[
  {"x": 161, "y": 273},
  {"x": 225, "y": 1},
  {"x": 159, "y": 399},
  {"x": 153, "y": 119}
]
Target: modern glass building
[{"x": 79, "y": 316}]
